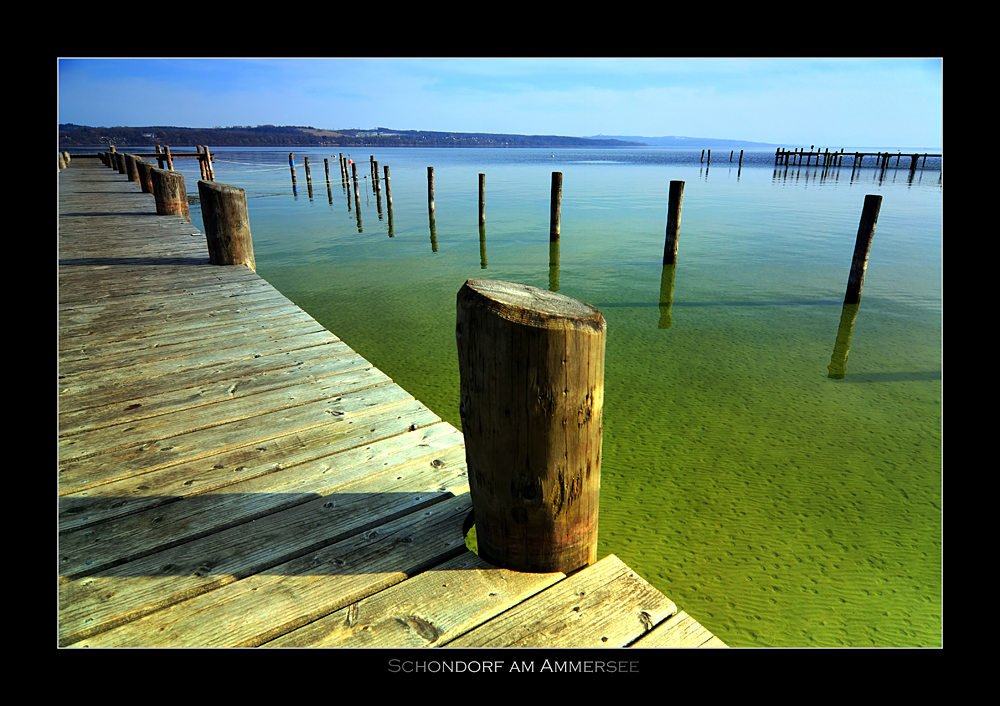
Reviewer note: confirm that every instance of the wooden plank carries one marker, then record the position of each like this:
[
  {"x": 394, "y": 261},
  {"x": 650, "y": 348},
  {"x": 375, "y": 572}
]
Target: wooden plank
[
  {"x": 134, "y": 460},
  {"x": 679, "y": 630},
  {"x": 265, "y": 606},
  {"x": 426, "y": 611},
  {"x": 76, "y": 400},
  {"x": 87, "y": 551},
  {"x": 171, "y": 401},
  {"x": 119, "y": 498},
  {"x": 94, "y": 604},
  {"x": 604, "y": 605},
  {"x": 203, "y": 357}
]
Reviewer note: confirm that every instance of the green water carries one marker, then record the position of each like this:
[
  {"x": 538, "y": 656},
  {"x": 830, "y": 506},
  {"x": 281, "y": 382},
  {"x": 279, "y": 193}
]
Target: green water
[{"x": 778, "y": 506}]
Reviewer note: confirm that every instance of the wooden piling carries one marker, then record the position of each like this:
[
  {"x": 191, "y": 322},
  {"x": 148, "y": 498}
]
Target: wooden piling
[
  {"x": 710, "y": 156},
  {"x": 741, "y": 158},
  {"x": 170, "y": 160},
  {"x": 555, "y": 207},
  {"x": 201, "y": 163},
  {"x": 862, "y": 248},
  {"x": 130, "y": 169},
  {"x": 291, "y": 167},
  {"x": 209, "y": 169},
  {"x": 676, "y": 199},
  {"x": 532, "y": 420},
  {"x": 430, "y": 190},
  {"x": 170, "y": 194},
  {"x": 159, "y": 160},
  {"x": 145, "y": 176},
  {"x": 227, "y": 224},
  {"x": 309, "y": 179},
  {"x": 388, "y": 190},
  {"x": 482, "y": 199}
]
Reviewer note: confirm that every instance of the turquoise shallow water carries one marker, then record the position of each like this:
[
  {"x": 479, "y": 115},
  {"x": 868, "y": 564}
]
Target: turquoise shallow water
[{"x": 778, "y": 506}]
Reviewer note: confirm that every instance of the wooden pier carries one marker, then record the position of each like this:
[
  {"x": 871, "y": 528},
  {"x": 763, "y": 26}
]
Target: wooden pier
[
  {"x": 826, "y": 158},
  {"x": 233, "y": 474}
]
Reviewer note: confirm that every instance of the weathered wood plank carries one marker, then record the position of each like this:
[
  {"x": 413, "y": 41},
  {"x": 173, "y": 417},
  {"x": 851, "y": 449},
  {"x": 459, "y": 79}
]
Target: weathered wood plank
[
  {"x": 426, "y": 611},
  {"x": 175, "y": 401},
  {"x": 259, "y": 608},
  {"x": 94, "y": 549},
  {"x": 204, "y": 357},
  {"x": 74, "y": 399},
  {"x": 679, "y": 630},
  {"x": 118, "y": 595},
  {"x": 603, "y": 605},
  {"x": 119, "y": 498}
]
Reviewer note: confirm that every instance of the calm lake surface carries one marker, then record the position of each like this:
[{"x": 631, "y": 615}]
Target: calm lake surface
[{"x": 776, "y": 504}]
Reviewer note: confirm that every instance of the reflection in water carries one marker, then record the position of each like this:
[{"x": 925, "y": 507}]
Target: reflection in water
[
  {"x": 553, "y": 265},
  {"x": 482, "y": 246},
  {"x": 667, "y": 296},
  {"x": 838, "y": 363}
]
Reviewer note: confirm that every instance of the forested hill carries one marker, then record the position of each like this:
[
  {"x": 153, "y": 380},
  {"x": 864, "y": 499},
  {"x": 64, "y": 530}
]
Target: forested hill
[{"x": 71, "y": 135}]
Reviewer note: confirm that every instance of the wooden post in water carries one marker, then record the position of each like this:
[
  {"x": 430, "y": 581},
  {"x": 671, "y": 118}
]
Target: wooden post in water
[
  {"x": 531, "y": 368},
  {"x": 430, "y": 191},
  {"x": 291, "y": 167},
  {"x": 388, "y": 198},
  {"x": 159, "y": 160},
  {"x": 309, "y": 179},
  {"x": 741, "y": 158},
  {"x": 482, "y": 199},
  {"x": 170, "y": 160},
  {"x": 710, "y": 156},
  {"x": 862, "y": 248},
  {"x": 227, "y": 224},
  {"x": 209, "y": 169},
  {"x": 201, "y": 163},
  {"x": 170, "y": 194},
  {"x": 555, "y": 207},
  {"x": 673, "y": 222}
]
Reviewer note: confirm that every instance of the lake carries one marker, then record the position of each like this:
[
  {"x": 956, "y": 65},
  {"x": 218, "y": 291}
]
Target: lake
[{"x": 776, "y": 504}]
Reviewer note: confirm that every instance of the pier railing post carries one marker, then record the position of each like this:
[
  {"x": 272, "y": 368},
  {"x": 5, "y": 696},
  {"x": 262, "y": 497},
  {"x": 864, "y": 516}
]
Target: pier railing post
[
  {"x": 170, "y": 194},
  {"x": 145, "y": 175},
  {"x": 862, "y": 248},
  {"x": 531, "y": 365},
  {"x": 227, "y": 224}
]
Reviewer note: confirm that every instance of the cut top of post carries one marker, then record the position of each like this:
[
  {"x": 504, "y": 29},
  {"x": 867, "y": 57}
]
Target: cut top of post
[{"x": 532, "y": 306}]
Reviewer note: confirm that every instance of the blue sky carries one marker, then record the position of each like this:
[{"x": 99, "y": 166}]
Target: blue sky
[{"x": 885, "y": 103}]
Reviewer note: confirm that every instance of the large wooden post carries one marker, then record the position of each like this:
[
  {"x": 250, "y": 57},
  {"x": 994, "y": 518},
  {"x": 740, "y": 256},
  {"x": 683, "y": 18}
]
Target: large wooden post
[
  {"x": 170, "y": 194},
  {"x": 862, "y": 248},
  {"x": 227, "y": 224},
  {"x": 531, "y": 364},
  {"x": 555, "y": 207},
  {"x": 674, "y": 204}
]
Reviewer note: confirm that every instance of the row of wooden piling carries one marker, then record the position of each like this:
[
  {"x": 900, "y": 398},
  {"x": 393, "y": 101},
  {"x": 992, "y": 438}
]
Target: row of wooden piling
[
  {"x": 826, "y": 158},
  {"x": 224, "y": 207},
  {"x": 731, "y": 155}
]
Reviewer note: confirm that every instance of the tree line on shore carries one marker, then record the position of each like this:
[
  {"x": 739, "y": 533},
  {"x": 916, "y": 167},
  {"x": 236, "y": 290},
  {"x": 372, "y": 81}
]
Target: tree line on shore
[{"x": 71, "y": 135}]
